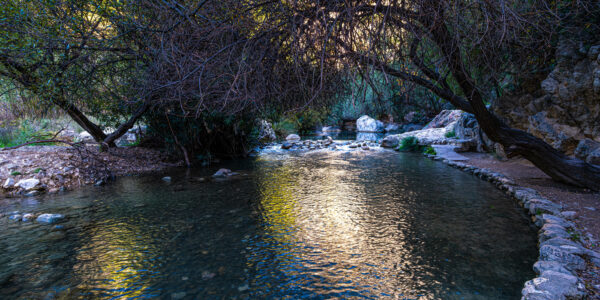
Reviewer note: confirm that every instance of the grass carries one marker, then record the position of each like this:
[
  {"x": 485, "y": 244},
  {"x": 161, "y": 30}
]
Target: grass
[{"x": 15, "y": 173}]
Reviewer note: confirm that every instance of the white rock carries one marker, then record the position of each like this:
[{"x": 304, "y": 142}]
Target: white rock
[
  {"x": 222, "y": 173},
  {"x": 9, "y": 183},
  {"x": 49, "y": 218},
  {"x": 166, "y": 178},
  {"x": 368, "y": 124},
  {"x": 292, "y": 138},
  {"x": 85, "y": 136},
  {"x": 28, "y": 184},
  {"x": 28, "y": 217}
]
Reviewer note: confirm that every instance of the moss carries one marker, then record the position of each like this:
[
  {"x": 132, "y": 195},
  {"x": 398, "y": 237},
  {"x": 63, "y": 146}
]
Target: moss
[{"x": 450, "y": 134}]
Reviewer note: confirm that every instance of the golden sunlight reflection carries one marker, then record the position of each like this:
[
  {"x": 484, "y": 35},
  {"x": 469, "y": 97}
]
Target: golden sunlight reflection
[
  {"x": 114, "y": 260},
  {"x": 325, "y": 206}
]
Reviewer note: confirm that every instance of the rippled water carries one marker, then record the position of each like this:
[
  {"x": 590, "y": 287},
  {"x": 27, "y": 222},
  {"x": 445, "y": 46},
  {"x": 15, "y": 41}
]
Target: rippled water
[{"x": 317, "y": 225}]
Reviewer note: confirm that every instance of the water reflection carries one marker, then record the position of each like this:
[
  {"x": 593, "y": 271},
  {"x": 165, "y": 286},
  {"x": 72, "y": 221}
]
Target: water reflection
[{"x": 314, "y": 225}]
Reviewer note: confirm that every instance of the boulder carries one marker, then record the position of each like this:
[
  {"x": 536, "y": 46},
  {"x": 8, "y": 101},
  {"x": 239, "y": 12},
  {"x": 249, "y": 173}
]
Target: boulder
[
  {"x": 49, "y": 218},
  {"x": 292, "y": 138},
  {"x": 28, "y": 217},
  {"x": 265, "y": 131},
  {"x": 444, "y": 118},
  {"x": 392, "y": 127},
  {"x": 390, "y": 141},
  {"x": 86, "y": 136},
  {"x": 9, "y": 183},
  {"x": 28, "y": 184},
  {"x": 368, "y": 124},
  {"x": 367, "y": 136},
  {"x": 411, "y": 127}
]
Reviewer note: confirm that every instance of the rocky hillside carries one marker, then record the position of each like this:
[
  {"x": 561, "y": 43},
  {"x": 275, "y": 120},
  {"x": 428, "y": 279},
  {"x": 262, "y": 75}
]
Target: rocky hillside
[{"x": 565, "y": 110}]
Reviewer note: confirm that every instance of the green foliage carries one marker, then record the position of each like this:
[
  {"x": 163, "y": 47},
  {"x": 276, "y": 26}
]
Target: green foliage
[
  {"x": 429, "y": 150},
  {"x": 450, "y": 134},
  {"x": 284, "y": 127},
  {"x": 410, "y": 144},
  {"x": 15, "y": 173},
  {"x": 37, "y": 170},
  {"x": 18, "y": 132}
]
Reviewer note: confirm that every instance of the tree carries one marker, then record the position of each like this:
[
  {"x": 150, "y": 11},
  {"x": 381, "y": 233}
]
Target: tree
[
  {"x": 70, "y": 54},
  {"x": 459, "y": 50}
]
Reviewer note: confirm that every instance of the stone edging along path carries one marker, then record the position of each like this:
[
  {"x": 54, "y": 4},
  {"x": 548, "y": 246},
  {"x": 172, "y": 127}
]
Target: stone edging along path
[{"x": 561, "y": 255}]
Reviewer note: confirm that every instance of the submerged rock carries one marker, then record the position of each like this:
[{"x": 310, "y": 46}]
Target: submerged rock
[
  {"x": 49, "y": 218},
  {"x": 286, "y": 145}
]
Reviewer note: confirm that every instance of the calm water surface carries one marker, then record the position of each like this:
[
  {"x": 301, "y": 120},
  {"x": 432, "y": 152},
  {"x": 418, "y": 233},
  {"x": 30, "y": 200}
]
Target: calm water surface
[{"x": 320, "y": 225}]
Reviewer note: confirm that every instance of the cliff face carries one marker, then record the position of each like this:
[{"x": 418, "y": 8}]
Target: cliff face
[{"x": 566, "y": 109}]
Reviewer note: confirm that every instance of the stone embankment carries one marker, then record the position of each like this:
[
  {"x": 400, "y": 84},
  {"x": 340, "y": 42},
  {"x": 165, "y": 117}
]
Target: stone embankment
[{"x": 29, "y": 171}]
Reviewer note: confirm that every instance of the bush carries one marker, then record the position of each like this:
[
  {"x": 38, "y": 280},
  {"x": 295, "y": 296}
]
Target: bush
[
  {"x": 429, "y": 150},
  {"x": 410, "y": 144},
  {"x": 450, "y": 134}
]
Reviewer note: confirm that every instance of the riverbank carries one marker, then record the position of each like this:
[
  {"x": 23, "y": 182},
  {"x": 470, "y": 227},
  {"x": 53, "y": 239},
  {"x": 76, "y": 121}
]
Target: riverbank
[
  {"x": 569, "y": 261},
  {"x": 29, "y": 171}
]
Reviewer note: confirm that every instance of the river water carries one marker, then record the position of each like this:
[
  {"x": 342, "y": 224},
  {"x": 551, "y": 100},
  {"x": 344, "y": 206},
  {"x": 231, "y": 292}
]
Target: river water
[{"x": 317, "y": 225}]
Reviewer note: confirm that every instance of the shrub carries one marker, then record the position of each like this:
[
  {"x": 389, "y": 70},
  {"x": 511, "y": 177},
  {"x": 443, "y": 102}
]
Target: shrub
[
  {"x": 429, "y": 150},
  {"x": 410, "y": 144},
  {"x": 450, "y": 134}
]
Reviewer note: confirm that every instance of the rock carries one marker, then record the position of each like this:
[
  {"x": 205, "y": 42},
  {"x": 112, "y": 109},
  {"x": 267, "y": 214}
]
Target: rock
[
  {"x": 368, "y": 124},
  {"x": 594, "y": 157},
  {"x": 243, "y": 288},
  {"x": 559, "y": 285},
  {"x": 392, "y": 127},
  {"x": 292, "y": 138},
  {"x": 541, "y": 266},
  {"x": 410, "y": 117},
  {"x": 223, "y": 173},
  {"x": 28, "y": 217},
  {"x": 367, "y": 136},
  {"x": 365, "y": 147},
  {"x": 265, "y": 132},
  {"x": 9, "y": 183},
  {"x": 569, "y": 214},
  {"x": 585, "y": 148},
  {"x": 15, "y": 217},
  {"x": 180, "y": 295},
  {"x": 286, "y": 145},
  {"x": 549, "y": 231},
  {"x": 330, "y": 129},
  {"x": 28, "y": 184},
  {"x": 49, "y": 218},
  {"x": 411, "y": 127},
  {"x": 565, "y": 255},
  {"x": 166, "y": 178},
  {"x": 11, "y": 167},
  {"x": 390, "y": 141},
  {"x": 353, "y": 146},
  {"x": 444, "y": 118},
  {"x": 85, "y": 136}
]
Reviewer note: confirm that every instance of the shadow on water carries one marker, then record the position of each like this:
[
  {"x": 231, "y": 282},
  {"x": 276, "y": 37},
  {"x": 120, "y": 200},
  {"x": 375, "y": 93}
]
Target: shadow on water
[{"x": 306, "y": 225}]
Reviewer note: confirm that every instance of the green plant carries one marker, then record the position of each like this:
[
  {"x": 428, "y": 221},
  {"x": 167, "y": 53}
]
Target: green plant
[
  {"x": 284, "y": 127},
  {"x": 15, "y": 173},
  {"x": 450, "y": 134},
  {"x": 37, "y": 170},
  {"x": 410, "y": 144},
  {"x": 429, "y": 150}
]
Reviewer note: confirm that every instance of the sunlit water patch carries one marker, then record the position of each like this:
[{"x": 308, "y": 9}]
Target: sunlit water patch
[{"x": 322, "y": 225}]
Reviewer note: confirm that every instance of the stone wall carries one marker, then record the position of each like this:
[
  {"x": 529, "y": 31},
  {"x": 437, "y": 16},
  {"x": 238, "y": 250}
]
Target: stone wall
[{"x": 565, "y": 110}]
